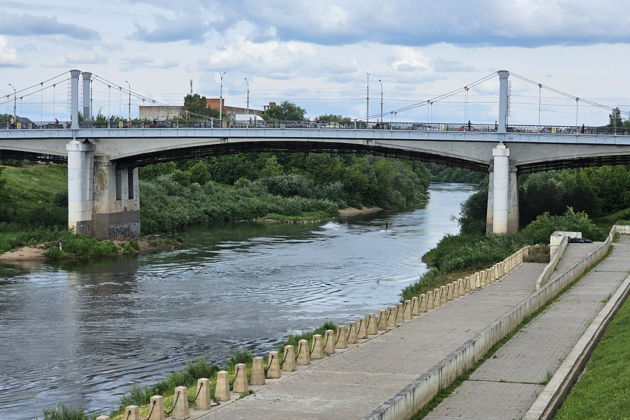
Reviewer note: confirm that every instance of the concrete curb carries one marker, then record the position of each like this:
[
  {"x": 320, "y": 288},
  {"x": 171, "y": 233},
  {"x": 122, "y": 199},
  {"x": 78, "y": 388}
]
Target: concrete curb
[
  {"x": 553, "y": 263},
  {"x": 567, "y": 374},
  {"x": 418, "y": 393}
]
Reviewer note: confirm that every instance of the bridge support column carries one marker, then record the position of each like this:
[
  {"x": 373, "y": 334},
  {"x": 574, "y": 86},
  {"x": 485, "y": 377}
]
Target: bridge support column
[
  {"x": 116, "y": 201},
  {"x": 87, "y": 106},
  {"x": 80, "y": 176},
  {"x": 503, "y": 101},
  {"x": 502, "y": 216},
  {"x": 74, "y": 99}
]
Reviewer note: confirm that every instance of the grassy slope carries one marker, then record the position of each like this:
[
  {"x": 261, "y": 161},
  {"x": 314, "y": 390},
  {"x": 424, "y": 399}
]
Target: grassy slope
[
  {"x": 603, "y": 390},
  {"x": 30, "y": 185}
]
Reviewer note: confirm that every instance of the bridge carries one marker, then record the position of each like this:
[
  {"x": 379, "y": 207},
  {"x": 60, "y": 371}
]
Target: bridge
[{"x": 103, "y": 162}]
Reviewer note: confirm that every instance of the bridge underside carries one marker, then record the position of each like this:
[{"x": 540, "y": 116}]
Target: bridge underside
[
  {"x": 35, "y": 157},
  {"x": 296, "y": 147},
  {"x": 574, "y": 163}
]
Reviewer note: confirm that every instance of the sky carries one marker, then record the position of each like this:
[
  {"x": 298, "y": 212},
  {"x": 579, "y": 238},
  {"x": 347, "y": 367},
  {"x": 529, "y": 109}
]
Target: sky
[{"x": 318, "y": 54}]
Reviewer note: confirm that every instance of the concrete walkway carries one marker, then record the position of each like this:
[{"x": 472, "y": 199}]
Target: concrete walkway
[
  {"x": 505, "y": 386},
  {"x": 354, "y": 382}
]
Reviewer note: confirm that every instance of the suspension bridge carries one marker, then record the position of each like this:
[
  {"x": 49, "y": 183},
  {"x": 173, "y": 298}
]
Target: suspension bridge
[{"x": 103, "y": 154}]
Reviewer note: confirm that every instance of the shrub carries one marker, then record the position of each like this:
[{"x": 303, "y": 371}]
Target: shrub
[{"x": 61, "y": 412}]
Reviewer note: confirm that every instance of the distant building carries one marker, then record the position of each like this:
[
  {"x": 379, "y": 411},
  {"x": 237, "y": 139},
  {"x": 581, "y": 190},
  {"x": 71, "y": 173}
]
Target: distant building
[
  {"x": 230, "y": 112},
  {"x": 160, "y": 112}
]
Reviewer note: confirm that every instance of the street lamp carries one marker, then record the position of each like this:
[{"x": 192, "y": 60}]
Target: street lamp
[
  {"x": 221, "y": 99},
  {"x": 247, "y": 82},
  {"x": 381, "y": 82},
  {"x": 128, "y": 103},
  {"x": 14, "y": 104},
  {"x": 367, "y": 100}
]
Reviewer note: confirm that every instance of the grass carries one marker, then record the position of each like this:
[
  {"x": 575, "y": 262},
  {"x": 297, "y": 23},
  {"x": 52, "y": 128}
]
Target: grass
[
  {"x": 310, "y": 216},
  {"x": 444, "y": 393},
  {"x": 603, "y": 390},
  {"x": 61, "y": 412}
]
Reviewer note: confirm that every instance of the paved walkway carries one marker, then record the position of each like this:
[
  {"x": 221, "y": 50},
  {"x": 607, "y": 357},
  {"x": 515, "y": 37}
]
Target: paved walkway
[
  {"x": 353, "y": 383},
  {"x": 505, "y": 386}
]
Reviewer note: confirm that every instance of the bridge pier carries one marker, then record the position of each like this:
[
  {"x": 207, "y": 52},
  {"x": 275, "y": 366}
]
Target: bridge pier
[
  {"x": 80, "y": 176},
  {"x": 116, "y": 207},
  {"x": 502, "y": 214}
]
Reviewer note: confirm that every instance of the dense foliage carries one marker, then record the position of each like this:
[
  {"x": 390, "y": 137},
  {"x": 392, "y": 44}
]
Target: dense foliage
[
  {"x": 196, "y": 106},
  {"x": 285, "y": 111}
]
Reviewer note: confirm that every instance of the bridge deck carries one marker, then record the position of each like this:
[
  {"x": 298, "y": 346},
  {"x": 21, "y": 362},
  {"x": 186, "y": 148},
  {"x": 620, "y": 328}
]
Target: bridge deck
[
  {"x": 505, "y": 386},
  {"x": 354, "y": 382}
]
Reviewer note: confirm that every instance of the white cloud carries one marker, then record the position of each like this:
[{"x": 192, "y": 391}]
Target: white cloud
[{"x": 8, "y": 56}]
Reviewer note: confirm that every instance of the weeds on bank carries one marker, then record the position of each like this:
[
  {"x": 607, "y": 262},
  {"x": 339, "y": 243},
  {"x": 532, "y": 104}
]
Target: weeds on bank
[{"x": 61, "y": 412}]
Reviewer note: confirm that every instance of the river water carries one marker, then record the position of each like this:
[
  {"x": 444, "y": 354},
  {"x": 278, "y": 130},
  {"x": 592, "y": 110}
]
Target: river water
[{"x": 82, "y": 334}]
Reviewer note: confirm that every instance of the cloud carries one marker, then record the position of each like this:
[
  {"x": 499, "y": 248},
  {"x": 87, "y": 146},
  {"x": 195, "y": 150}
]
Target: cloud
[
  {"x": 183, "y": 28},
  {"x": 143, "y": 61},
  {"x": 94, "y": 56},
  {"x": 8, "y": 55},
  {"x": 26, "y": 25}
]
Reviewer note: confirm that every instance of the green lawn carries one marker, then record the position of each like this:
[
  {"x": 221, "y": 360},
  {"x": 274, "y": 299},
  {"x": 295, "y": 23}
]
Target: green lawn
[
  {"x": 603, "y": 391},
  {"x": 31, "y": 185}
]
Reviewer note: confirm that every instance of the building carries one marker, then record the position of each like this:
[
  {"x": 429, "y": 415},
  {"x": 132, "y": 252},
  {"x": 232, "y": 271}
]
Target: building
[
  {"x": 230, "y": 112},
  {"x": 160, "y": 113}
]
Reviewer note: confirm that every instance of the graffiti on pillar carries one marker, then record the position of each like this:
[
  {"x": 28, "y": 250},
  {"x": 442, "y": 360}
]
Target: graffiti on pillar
[
  {"x": 84, "y": 227},
  {"x": 123, "y": 231}
]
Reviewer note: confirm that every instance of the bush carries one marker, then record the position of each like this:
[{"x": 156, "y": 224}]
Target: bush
[
  {"x": 240, "y": 356},
  {"x": 61, "y": 412}
]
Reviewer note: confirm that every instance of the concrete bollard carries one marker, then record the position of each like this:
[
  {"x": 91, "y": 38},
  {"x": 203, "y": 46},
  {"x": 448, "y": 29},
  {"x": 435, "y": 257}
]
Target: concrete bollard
[
  {"x": 436, "y": 298},
  {"x": 273, "y": 371},
  {"x": 400, "y": 309},
  {"x": 415, "y": 306},
  {"x": 423, "y": 303},
  {"x": 391, "y": 316},
  {"x": 429, "y": 300},
  {"x": 240, "y": 378},
  {"x": 258, "y": 371},
  {"x": 449, "y": 292},
  {"x": 303, "y": 353},
  {"x": 342, "y": 336},
  {"x": 443, "y": 295},
  {"x": 102, "y": 418},
  {"x": 317, "y": 347},
  {"x": 455, "y": 290},
  {"x": 222, "y": 390},
  {"x": 132, "y": 412},
  {"x": 372, "y": 328},
  {"x": 382, "y": 320},
  {"x": 329, "y": 342},
  {"x": 203, "y": 400},
  {"x": 352, "y": 332},
  {"x": 288, "y": 364},
  {"x": 460, "y": 287},
  {"x": 407, "y": 310},
  {"x": 181, "y": 410},
  {"x": 362, "y": 329}
]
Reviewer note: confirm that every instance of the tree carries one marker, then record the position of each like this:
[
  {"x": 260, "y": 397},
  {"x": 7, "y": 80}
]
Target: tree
[
  {"x": 615, "y": 118},
  {"x": 197, "y": 106},
  {"x": 326, "y": 118},
  {"x": 286, "y": 111}
]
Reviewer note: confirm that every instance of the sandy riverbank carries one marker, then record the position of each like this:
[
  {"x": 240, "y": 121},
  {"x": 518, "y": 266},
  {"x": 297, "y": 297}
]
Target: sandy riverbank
[{"x": 352, "y": 211}]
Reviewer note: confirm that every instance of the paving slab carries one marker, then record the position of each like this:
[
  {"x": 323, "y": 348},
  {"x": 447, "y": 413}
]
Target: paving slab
[
  {"x": 353, "y": 383},
  {"x": 538, "y": 349}
]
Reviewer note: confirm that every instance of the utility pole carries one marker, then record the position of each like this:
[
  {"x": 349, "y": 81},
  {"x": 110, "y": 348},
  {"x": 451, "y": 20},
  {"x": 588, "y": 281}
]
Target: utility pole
[
  {"x": 128, "y": 104},
  {"x": 367, "y": 101},
  {"x": 247, "y": 82},
  {"x": 14, "y": 105},
  {"x": 221, "y": 99},
  {"x": 381, "y": 82}
]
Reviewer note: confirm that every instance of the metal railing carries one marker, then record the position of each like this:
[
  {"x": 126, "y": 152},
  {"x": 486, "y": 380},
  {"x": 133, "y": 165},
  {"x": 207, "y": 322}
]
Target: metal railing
[{"x": 348, "y": 125}]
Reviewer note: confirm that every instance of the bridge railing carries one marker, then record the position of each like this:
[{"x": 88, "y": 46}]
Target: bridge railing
[{"x": 347, "y": 125}]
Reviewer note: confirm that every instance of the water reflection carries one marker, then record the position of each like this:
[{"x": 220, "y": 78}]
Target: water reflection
[{"x": 83, "y": 333}]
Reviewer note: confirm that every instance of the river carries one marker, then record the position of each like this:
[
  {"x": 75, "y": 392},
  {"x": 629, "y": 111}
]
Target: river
[{"x": 81, "y": 334}]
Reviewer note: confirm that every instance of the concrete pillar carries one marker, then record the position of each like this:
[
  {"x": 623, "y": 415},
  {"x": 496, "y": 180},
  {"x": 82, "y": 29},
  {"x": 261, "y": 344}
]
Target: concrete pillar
[
  {"x": 500, "y": 199},
  {"x": 341, "y": 342},
  {"x": 80, "y": 181},
  {"x": 372, "y": 329},
  {"x": 382, "y": 319},
  {"x": 289, "y": 359},
  {"x": 362, "y": 329},
  {"x": 303, "y": 353},
  {"x": 273, "y": 371},
  {"x": 156, "y": 403},
  {"x": 87, "y": 108},
  {"x": 222, "y": 390},
  {"x": 203, "y": 400},
  {"x": 429, "y": 300},
  {"x": 74, "y": 99},
  {"x": 329, "y": 342},
  {"x": 399, "y": 313},
  {"x": 181, "y": 410},
  {"x": 423, "y": 302},
  {"x": 391, "y": 316},
  {"x": 449, "y": 292},
  {"x": 443, "y": 295},
  {"x": 317, "y": 350},
  {"x": 513, "y": 211},
  {"x": 489, "y": 214},
  {"x": 132, "y": 412},
  {"x": 407, "y": 310},
  {"x": 352, "y": 332},
  {"x": 503, "y": 101},
  {"x": 415, "y": 306},
  {"x": 102, "y": 418},
  {"x": 240, "y": 378},
  {"x": 258, "y": 371},
  {"x": 116, "y": 204}
]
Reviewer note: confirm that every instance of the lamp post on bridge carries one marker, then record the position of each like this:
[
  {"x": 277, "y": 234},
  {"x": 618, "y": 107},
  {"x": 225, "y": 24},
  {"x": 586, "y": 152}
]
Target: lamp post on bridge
[
  {"x": 221, "y": 99},
  {"x": 128, "y": 104},
  {"x": 381, "y": 82},
  {"x": 247, "y": 83},
  {"x": 367, "y": 101},
  {"x": 14, "y": 104}
]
